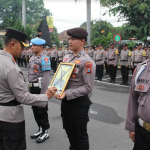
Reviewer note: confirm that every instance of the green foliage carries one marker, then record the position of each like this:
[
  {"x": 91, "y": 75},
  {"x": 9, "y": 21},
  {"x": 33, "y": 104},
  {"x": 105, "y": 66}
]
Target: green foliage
[
  {"x": 54, "y": 37},
  {"x": 103, "y": 40},
  {"x": 131, "y": 44},
  {"x": 136, "y": 12}
]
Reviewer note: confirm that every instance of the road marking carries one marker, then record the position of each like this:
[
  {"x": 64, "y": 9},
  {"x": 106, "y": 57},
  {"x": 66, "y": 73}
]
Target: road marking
[
  {"x": 111, "y": 83},
  {"x": 92, "y": 111}
]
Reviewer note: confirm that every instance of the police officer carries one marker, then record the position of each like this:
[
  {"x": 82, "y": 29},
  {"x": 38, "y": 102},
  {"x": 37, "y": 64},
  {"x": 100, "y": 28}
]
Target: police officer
[
  {"x": 138, "y": 120},
  {"x": 112, "y": 62},
  {"x": 106, "y": 55},
  {"x": 61, "y": 54},
  {"x": 147, "y": 51},
  {"x": 91, "y": 51},
  {"x": 132, "y": 62},
  {"x": 68, "y": 51},
  {"x": 39, "y": 79},
  {"x": 99, "y": 59},
  {"x": 54, "y": 58},
  {"x": 125, "y": 60},
  {"x": 13, "y": 93},
  {"x": 139, "y": 56},
  {"x": 75, "y": 101}
]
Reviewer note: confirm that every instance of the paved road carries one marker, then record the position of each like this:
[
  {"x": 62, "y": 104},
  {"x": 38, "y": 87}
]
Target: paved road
[{"x": 107, "y": 119}]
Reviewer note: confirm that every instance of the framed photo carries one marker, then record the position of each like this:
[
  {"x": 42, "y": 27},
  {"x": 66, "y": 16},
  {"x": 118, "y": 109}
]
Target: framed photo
[{"x": 62, "y": 76}]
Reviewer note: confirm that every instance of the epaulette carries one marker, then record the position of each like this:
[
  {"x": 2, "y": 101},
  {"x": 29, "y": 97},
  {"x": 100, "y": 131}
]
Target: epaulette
[
  {"x": 130, "y": 53},
  {"x": 116, "y": 52},
  {"x": 86, "y": 55},
  {"x": 144, "y": 53}
]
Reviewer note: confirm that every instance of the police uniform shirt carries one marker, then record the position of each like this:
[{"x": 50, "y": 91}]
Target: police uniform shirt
[
  {"x": 147, "y": 54},
  {"x": 106, "y": 55},
  {"x": 61, "y": 54},
  {"x": 49, "y": 54},
  {"x": 99, "y": 57},
  {"x": 139, "y": 97},
  {"x": 12, "y": 85},
  {"x": 44, "y": 51},
  {"x": 82, "y": 79},
  {"x": 29, "y": 53},
  {"x": 91, "y": 52},
  {"x": 113, "y": 56},
  {"x": 68, "y": 52},
  {"x": 139, "y": 57},
  {"x": 54, "y": 53},
  {"x": 39, "y": 66},
  {"x": 125, "y": 57}
]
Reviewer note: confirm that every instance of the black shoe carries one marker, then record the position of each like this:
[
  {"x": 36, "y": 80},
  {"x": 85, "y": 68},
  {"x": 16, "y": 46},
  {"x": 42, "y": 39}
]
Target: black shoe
[
  {"x": 36, "y": 134},
  {"x": 126, "y": 84},
  {"x": 100, "y": 79},
  {"x": 110, "y": 81},
  {"x": 96, "y": 78},
  {"x": 122, "y": 83},
  {"x": 43, "y": 136},
  {"x": 113, "y": 81}
]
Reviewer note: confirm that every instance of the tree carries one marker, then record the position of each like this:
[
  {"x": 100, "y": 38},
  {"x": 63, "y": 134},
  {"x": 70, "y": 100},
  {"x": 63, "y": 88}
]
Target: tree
[
  {"x": 54, "y": 37},
  {"x": 35, "y": 10},
  {"x": 136, "y": 12}
]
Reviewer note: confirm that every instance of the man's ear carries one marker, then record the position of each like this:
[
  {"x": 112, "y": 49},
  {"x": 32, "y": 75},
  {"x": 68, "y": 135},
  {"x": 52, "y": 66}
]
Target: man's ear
[
  {"x": 12, "y": 44},
  {"x": 82, "y": 41}
]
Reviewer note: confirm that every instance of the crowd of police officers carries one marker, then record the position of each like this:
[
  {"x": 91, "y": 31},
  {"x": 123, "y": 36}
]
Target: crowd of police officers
[{"x": 108, "y": 57}]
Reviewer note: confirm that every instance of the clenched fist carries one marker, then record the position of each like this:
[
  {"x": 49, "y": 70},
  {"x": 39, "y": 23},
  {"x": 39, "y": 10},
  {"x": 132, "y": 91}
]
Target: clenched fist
[{"x": 51, "y": 92}]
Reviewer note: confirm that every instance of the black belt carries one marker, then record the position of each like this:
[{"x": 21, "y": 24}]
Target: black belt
[
  {"x": 99, "y": 60},
  {"x": 124, "y": 60},
  {"x": 137, "y": 62},
  {"x": 60, "y": 56},
  {"x": 112, "y": 59},
  {"x": 11, "y": 103}
]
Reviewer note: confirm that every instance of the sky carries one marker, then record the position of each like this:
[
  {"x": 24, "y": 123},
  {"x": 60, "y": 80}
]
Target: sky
[{"x": 70, "y": 14}]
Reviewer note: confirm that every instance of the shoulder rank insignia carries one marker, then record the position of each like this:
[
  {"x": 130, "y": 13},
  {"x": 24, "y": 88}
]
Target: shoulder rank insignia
[
  {"x": 129, "y": 54},
  {"x": 46, "y": 64},
  {"x": 144, "y": 53},
  {"x": 116, "y": 52}
]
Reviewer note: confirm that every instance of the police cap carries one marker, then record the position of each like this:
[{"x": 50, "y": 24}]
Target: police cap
[
  {"x": 84, "y": 46},
  {"x": 100, "y": 44},
  {"x": 146, "y": 45},
  {"x": 124, "y": 45},
  {"x": 139, "y": 44},
  {"x": 16, "y": 34},
  {"x": 38, "y": 35},
  {"x": 112, "y": 43},
  {"x": 87, "y": 46},
  {"x": 60, "y": 46},
  {"x": 78, "y": 33},
  {"x": 37, "y": 41}
]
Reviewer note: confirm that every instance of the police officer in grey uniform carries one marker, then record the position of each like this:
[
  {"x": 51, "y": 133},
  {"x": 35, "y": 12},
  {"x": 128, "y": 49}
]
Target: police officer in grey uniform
[
  {"x": 112, "y": 62},
  {"x": 91, "y": 51},
  {"x": 13, "y": 93},
  {"x": 147, "y": 51},
  {"x": 125, "y": 60},
  {"x": 106, "y": 55},
  {"x": 132, "y": 62},
  {"x": 139, "y": 56},
  {"x": 68, "y": 51},
  {"x": 75, "y": 101},
  {"x": 138, "y": 120},
  {"x": 61, "y": 54},
  {"x": 39, "y": 80},
  {"x": 99, "y": 59},
  {"x": 54, "y": 58}
]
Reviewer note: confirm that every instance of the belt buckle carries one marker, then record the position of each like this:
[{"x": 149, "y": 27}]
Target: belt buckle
[
  {"x": 29, "y": 85},
  {"x": 146, "y": 126}
]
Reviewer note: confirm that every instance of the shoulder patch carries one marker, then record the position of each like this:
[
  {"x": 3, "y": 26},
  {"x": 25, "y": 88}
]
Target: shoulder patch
[
  {"x": 77, "y": 61},
  {"x": 104, "y": 52},
  {"x": 46, "y": 64},
  {"x": 88, "y": 66}
]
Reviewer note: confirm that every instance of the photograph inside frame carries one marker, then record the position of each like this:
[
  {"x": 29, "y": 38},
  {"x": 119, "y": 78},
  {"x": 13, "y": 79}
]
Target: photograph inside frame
[{"x": 62, "y": 76}]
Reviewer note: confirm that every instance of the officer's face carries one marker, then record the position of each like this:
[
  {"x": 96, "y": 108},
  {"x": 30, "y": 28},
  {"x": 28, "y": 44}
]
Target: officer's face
[
  {"x": 100, "y": 47},
  {"x": 146, "y": 48},
  {"x": 125, "y": 48},
  {"x": 36, "y": 48},
  {"x": 76, "y": 44},
  {"x": 90, "y": 47},
  {"x": 140, "y": 46},
  {"x": 60, "y": 48},
  {"x": 112, "y": 46}
]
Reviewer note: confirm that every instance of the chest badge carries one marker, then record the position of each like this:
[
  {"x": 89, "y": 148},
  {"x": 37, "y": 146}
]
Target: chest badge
[
  {"x": 73, "y": 76},
  {"x": 65, "y": 59},
  {"x": 35, "y": 71},
  {"x": 77, "y": 61},
  {"x": 140, "y": 87}
]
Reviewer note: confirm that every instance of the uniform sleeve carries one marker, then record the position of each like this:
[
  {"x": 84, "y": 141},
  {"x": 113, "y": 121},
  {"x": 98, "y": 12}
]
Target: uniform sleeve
[
  {"x": 132, "y": 107},
  {"x": 116, "y": 57},
  {"x": 104, "y": 55},
  {"x": 107, "y": 58},
  {"x": 45, "y": 81},
  {"x": 88, "y": 79},
  {"x": 16, "y": 83}
]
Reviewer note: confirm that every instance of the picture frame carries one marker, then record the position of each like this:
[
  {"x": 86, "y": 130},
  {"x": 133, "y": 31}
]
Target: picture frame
[{"x": 62, "y": 76}]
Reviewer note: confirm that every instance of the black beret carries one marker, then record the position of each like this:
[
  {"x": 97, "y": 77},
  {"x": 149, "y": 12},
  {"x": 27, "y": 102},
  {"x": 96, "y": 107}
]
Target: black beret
[
  {"x": 100, "y": 44},
  {"x": 78, "y": 33},
  {"x": 139, "y": 44},
  {"x": 124, "y": 45}
]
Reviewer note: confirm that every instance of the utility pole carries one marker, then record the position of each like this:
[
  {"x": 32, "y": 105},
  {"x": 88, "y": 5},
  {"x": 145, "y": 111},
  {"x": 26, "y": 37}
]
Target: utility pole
[
  {"x": 24, "y": 13},
  {"x": 88, "y": 2}
]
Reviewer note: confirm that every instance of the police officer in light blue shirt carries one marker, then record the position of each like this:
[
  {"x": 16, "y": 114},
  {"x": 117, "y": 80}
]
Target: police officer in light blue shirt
[{"x": 39, "y": 80}]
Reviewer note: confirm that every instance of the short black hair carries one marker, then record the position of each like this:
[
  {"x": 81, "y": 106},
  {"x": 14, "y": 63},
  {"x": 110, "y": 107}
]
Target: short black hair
[{"x": 7, "y": 40}]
